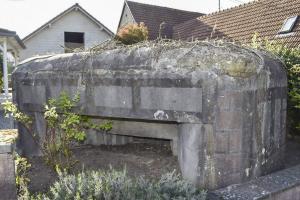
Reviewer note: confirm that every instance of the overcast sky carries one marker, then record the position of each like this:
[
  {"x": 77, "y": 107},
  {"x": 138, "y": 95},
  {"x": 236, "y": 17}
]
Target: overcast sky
[{"x": 24, "y": 16}]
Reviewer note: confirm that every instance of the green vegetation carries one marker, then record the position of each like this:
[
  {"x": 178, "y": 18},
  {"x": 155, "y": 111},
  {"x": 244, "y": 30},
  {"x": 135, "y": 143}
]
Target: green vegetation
[
  {"x": 21, "y": 167},
  {"x": 114, "y": 185},
  {"x": 291, "y": 58},
  {"x": 132, "y": 33},
  {"x": 1, "y": 70},
  {"x": 64, "y": 128}
]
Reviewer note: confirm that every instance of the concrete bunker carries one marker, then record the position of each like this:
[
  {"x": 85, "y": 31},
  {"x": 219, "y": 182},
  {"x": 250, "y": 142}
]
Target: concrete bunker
[{"x": 223, "y": 106}]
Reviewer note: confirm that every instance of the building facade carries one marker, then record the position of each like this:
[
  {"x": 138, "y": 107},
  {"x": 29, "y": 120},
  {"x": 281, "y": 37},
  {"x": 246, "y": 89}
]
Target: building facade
[{"x": 73, "y": 28}]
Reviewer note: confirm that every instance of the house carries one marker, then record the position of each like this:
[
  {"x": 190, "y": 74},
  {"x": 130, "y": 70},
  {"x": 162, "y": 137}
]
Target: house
[
  {"x": 10, "y": 43},
  {"x": 159, "y": 20},
  {"x": 273, "y": 19},
  {"x": 73, "y": 28}
]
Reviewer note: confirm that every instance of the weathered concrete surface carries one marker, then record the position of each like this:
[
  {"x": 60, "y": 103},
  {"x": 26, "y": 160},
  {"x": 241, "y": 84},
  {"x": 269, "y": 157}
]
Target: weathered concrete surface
[
  {"x": 7, "y": 165},
  {"x": 281, "y": 185},
  {"x": 228, "y": 103}
]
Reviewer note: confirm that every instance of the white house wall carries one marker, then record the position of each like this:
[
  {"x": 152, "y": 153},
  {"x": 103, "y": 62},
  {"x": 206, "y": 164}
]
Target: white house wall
[
  {"x": 126, "y": 17},
  {"x": 51, "y": 40}
]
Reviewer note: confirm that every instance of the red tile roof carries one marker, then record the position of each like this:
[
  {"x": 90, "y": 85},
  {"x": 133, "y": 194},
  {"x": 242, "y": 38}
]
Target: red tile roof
[
  {"x": 153, "y": 16},
  {"x": 240, "y": 23}
]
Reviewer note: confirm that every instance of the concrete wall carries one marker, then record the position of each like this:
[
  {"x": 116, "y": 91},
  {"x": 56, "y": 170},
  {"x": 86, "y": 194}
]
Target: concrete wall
[
  {"x": 280, "y": 185},
  {"x": 227, "y": 103},
  {"x": 51, "y": 40}
]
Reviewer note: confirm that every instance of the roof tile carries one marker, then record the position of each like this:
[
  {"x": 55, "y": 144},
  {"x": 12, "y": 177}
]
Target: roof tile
[
  {"x": 264, "y": 17},
  {"x": 153, "y": 16}
]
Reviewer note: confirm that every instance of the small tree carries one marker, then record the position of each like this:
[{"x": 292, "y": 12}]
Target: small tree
[
  {"x": 132, "y": 33},
  {"x": 63, "y": 128}
]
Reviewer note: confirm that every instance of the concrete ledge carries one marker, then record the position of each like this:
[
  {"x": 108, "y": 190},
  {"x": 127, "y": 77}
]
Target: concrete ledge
[
  {"x": 7, "y": 177},
  {"x": 284, "y": 184},
  {"x": 7, "y": 140},
  {"x": 7, "y": 164}
]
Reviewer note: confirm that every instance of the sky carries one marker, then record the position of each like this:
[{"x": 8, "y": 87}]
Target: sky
[{"x": 24, "y": 16}]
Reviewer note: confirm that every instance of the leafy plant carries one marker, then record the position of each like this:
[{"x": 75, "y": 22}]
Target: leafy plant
[
  {"x": 115, "y": 185},
  {"x": 64, "y": 128},
  {"x": 132, "y": 33},
  {"x": 21, "y": 169},
  {"x": 291, "y": 58},
  {"x": 1, "y": 70}
]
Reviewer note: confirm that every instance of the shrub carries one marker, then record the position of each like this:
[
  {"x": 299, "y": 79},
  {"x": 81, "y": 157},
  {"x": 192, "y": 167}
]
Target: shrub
[
  {"x": 63, "y": 128},
  {"x": 291, "y": 59},
  {"x": 21, "y": 170},
  {"x": 1, "y": 71},
  {"x": 132, "y": 33},
  {"x": 113, "y": 185}
]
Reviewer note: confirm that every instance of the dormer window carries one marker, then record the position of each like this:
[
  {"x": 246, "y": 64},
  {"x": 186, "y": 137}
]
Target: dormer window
[{"x": 288, "y": 25}]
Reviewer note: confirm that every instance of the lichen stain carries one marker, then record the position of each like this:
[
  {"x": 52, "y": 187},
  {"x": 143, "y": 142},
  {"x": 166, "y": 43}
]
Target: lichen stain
[
  {"x": 209, "y": 157},
  {"x": 239, "y": 68},
  {"x": 247, "y": 171},
  {"x": 160, "y": 115}
]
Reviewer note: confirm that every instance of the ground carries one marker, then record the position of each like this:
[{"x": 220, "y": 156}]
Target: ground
[
  {"x": 149, "y": 159},
  {"x": 142, "y": 158}
]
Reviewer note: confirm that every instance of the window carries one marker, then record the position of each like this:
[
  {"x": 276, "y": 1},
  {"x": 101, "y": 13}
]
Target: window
[
  {"x": 288, "y": 24},
  {"x": 73, "y": 40}
]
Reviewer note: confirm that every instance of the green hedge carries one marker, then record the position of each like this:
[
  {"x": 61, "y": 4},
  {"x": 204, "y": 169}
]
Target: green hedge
[
  {"x": 114, "y": 185},
  {"x": 291, "y": 59}
]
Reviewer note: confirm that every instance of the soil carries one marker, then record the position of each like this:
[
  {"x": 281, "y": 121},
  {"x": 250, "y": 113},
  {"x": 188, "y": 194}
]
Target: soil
[{"x": 148, "y": 159}]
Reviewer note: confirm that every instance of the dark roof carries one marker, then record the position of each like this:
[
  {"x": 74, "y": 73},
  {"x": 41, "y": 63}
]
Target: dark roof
[
  {"x": 153, "y": 16},
  {"x": 75, "y": 6},
  {"x": 240, "y": 23},
  {"x": 8, "y": 33}
]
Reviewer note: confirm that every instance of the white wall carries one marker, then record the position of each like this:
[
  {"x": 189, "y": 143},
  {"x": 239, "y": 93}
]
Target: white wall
[
  {"x": 126, "y": 17},
  {"x": 51, "y": 40}
]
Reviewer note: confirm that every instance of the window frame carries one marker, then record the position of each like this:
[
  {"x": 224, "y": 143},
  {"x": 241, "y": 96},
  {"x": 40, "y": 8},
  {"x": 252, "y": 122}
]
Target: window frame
[
  {"x": 68, "y": 49},
  {"x": 283, "y": 29}
]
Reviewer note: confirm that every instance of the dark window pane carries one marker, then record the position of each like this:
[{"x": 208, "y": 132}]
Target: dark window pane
[{"x": 74, "y": 37}]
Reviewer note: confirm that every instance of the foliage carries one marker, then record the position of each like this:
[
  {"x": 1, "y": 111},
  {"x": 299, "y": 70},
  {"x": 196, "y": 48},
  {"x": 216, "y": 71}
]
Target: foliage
[
  {"x": 21, "y": 167},
  {"x": 132, "y": 33},
  {"x": 61, "y": 131},
  {"x": 1, "y": 70},
  {"x": 64, "y": 128},
  {"x": 291, "y": 58},
  {"x": 12, "y": 109},
  {"x": 114, "y": 185}
]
